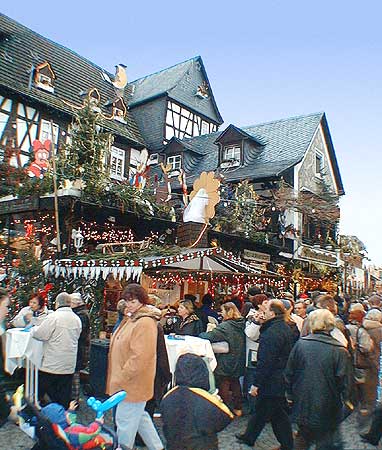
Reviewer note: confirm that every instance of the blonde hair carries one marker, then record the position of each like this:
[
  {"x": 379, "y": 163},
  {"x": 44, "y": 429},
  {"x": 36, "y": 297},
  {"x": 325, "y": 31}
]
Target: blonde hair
[
  {"x": 321, "y": 320},
  {"x": 188, "y": 305},
  {"x": 230, "y": 311}
]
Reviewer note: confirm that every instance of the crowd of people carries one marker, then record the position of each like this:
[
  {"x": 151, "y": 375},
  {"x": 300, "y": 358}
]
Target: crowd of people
[{"x": 301, "y": 365}]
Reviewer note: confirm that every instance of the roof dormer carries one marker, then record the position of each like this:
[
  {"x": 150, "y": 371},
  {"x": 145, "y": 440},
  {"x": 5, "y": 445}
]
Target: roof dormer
[
  {"x": 234, "y": 143},
  {"x": 118, "y": 109},
  {"x": 44, "y": 77}
]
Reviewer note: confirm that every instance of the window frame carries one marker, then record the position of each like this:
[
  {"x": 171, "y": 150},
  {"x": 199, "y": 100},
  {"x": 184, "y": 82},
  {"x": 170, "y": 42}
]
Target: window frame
[
  {"x": 318, "y": 156},
  {"x": 174, "y": 160},
  {"x": 119, "y": 154},
  {"x": 56, "y": 131},
  {"x": 227, "y": 162}
]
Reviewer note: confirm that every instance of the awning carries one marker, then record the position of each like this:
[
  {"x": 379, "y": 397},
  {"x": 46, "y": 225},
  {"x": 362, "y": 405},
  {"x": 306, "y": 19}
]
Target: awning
[{"x": 204, "y": 259}]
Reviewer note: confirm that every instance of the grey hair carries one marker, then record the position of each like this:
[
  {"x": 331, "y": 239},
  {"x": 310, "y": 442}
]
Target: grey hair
[
  {"x": 321, "y": 320},
  {"x": 63, "y": 299},
  {"x": 374, "y": 314}
]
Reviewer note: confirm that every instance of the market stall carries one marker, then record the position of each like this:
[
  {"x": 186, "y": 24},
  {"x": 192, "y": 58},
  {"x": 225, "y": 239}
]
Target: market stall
[{"x": 167, "y": 277}]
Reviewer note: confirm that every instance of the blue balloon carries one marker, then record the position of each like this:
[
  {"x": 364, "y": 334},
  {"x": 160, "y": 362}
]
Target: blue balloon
[{"x": 100, "y": 407}]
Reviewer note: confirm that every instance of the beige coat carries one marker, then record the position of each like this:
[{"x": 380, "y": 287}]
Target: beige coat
[
  {"x": 60, "y": 332},
  {"x": 132, "y": 356}
]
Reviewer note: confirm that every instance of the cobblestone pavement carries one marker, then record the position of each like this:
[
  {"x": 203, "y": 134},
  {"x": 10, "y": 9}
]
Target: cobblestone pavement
[{"x": 12, "y": 438}]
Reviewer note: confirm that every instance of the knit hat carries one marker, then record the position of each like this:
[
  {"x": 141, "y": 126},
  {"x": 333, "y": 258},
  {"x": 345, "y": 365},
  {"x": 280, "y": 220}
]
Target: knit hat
[
  {"x": 287, "y": 304},
  {"x": 56, "y": 414}
]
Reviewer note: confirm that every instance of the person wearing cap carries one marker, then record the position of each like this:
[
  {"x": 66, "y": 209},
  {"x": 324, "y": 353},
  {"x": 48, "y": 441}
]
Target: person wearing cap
[
  {"x": 59, "y": 332},
  {"x": 79, "y": 307}
]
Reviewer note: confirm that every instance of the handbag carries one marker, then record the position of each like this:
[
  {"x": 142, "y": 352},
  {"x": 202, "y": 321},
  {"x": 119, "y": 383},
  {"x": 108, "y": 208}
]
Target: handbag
[{"x": 220, "y": 347}]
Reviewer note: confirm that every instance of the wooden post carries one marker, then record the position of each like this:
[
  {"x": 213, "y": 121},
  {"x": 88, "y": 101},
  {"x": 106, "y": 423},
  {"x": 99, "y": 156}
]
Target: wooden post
[{"x": 53, "y": 157}]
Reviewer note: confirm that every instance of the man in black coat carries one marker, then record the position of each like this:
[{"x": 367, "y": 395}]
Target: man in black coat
[
  {"x": 275, "y": 344},
  {"x": 317, "y": 383}
]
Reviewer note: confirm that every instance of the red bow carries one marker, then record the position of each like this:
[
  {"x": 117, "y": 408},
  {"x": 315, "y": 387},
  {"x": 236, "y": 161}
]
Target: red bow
[
  {"x": 44, "y": 292},
  {"x": 37, "y": 145}
]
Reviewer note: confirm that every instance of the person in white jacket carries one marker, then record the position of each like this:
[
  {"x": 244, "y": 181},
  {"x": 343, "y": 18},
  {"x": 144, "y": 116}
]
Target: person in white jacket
[
  {"x": 60, "y": 332},
  {"x": 33, "y": 314}
]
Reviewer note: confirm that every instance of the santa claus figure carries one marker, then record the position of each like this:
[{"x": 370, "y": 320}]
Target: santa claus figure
[{"x": 41, "y": 159}]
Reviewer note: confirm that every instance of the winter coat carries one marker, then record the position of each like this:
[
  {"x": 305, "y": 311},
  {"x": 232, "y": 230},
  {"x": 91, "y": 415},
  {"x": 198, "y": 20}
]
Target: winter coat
[
  {"x": 231, "y": 364},
  {"x": 252, "y": 336},
  {"x": 374, "y": 329},
  {"x": 132, "y": 356},
  {"x": 191, "y": 416},
  {"x": 359, "y": 338},
  {"x": 317, "y": 378},
  {"x": 60, "y": 332},
  {"x": 20, "y": 321},
  {"x": 275, "y": 344},
  {"x": 190, "y": 326},
  {"x": 84, "y": 340},
  {"x": 162, "y": 374}
]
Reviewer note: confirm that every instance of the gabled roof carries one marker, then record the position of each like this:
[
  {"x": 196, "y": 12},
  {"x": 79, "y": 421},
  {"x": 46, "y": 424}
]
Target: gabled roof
[
  {"x": 238, "y": 131},
  {"x": 284, "y": 144},
  {"x": 166, "y": 82},
  {"x": 21, "y": 49}
]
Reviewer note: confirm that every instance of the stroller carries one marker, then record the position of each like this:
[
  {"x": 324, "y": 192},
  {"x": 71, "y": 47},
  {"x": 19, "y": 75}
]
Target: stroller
[{"x": 50, "y": 436}]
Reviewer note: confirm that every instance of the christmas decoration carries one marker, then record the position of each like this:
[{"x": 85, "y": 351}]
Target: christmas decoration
[
  {"x": 83, "y": 157},
  {"x": 203, "y": 199},
  {"x": 40, "y": 165}
]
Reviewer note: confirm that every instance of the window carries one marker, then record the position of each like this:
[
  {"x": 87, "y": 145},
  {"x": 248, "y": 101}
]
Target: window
[
  {"x": 205, "y": 127},
  {"x": 319, "y": 163},
  {"x": 135, "y": 159},
  {"x": 231, "y": 156},
  {"x": 117, "y": 163},
  {"x": 46, "y": 132},
  {"x": 175, "y": 161}
]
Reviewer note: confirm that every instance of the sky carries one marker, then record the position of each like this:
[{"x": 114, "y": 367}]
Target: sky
[{"x": 265, "y": 60}]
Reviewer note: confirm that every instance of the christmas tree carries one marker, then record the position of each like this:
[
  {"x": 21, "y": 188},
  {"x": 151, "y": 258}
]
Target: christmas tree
[{"x": 83, "y": 158}]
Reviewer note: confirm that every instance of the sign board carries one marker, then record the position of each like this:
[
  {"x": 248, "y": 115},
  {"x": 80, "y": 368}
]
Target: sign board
[
  {"x": 250, "y": 255},
  {"x": 19, "y": 205},
  {"x": 320, "y": 256}
]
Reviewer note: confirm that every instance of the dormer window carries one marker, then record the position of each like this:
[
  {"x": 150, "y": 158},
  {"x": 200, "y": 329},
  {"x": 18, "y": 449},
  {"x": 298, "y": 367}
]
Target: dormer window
[
  {"x": 231, "y": 156},
  {"x": 176, "y": 164},
  {"x": 119, "y": 110},
  {"x": 44, "y": 77}
]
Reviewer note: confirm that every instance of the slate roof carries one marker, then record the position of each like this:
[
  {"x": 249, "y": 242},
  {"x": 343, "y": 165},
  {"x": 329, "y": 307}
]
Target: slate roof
[
  {"x": 167, "y": 81},
  {"x": 22, "y": 48},
  {"x": 284, "y": 144}
]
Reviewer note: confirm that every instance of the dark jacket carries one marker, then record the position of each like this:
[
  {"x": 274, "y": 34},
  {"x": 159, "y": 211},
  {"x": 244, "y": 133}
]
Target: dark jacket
[
  {"x": 231, "y": 364},
  {"x": 191, "y": 416},
  {"x": 317, "y": 380},
  {"x": 190, "y": 326},
  {"x": 275, "y": 344},
  {"x": 84, "y": 340},
  {"x": 162, "y": 374}
]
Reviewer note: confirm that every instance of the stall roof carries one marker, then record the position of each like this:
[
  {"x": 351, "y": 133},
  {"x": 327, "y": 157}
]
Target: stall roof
[{"x": 203, "y": 259}]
